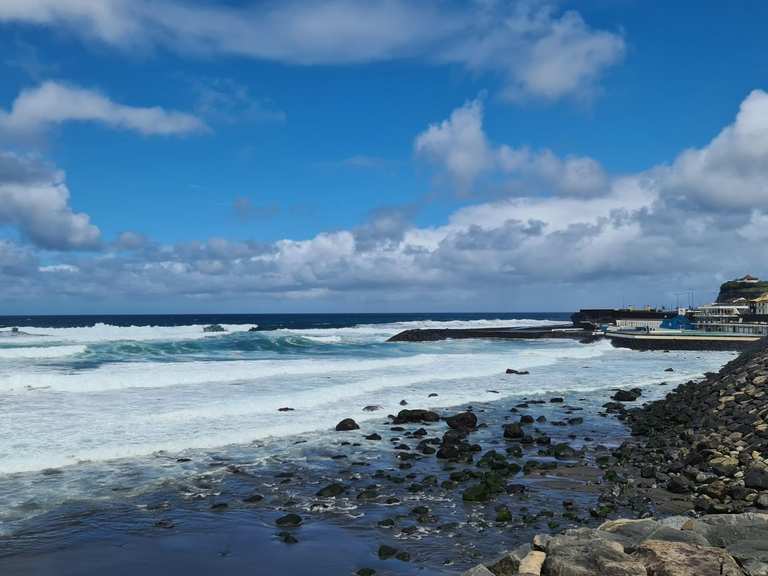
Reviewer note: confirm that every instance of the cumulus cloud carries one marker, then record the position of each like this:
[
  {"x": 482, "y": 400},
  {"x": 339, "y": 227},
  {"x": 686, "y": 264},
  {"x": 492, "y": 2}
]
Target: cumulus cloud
[
  {"x": 459, "y": 148},
  {"x": 538, "y": 52},
  {"x": 534, "y": 49},
  {"x": 731, "y": 172},
  {"x": 550, "y": 251},
  {"x": 54, "y": 103},
  {"x": 458, "y": 145},
  {"x": 34, "y": 198}
]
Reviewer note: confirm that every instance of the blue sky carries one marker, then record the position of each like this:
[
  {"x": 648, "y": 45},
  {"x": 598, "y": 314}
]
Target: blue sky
[{"x": 337, "y": 155}]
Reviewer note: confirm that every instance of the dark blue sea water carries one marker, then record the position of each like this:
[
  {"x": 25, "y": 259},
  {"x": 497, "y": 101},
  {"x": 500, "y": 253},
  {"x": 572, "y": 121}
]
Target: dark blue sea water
[{"x": 267, "y": 321}]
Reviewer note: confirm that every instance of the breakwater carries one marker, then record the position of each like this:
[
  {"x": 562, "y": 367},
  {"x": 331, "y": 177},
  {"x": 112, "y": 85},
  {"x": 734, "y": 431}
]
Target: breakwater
[{"x": 566, "y": 331}]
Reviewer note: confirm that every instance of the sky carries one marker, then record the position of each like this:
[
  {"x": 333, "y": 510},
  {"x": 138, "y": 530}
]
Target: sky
[{"x": 171, "y": 156}]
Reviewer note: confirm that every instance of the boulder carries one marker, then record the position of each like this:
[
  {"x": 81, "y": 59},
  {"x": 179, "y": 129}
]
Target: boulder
[
  {"x": 415, "y": 416},
  {"x": 462, "y": 421},
  {"x": 347, "y": 424},
  {"x": 289, "y": 520},
  {"x": 626, "y": 395},
  {"x": 532, "y": 563},
  {"x": 756, "y": 477},
  {"x": 681, "y": 559},
  {"x": 513, "y": 431},
  {"x": 724, "y": 465},
  {"x": 331, "y": 491},
  {"x": 582, "y": 554},
  {"x": 518, "y": 372},
  {"x": 509, "y": 562}
]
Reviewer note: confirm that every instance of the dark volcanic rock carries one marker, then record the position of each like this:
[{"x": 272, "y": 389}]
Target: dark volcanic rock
[
  {"x": 289, "y": 520},
  {"x": 518, "y": 372},
  {"x": 331, "y": 491},
  {"x": 462, "y": 421},
  {"x": 757, "y": 477},
  {"x": 415, "y": 416},
  {"x": 347, "y": 424},
  {"x": 625, "y": 396},
  {"x": 513, "y": 431}
]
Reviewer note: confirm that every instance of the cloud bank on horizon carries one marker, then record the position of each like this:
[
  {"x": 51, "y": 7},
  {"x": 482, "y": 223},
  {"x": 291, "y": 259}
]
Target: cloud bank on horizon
[{"x": 528, "y": 219}]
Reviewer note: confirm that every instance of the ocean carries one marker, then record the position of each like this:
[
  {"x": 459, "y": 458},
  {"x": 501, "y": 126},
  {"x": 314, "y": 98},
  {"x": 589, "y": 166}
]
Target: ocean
[{"x": 100, "y": 413}]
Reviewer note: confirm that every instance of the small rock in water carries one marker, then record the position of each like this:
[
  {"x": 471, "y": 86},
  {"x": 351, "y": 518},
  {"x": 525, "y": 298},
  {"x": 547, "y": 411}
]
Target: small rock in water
[
  {"x": 331, "y": 491},
  {"x": 219, "y": 506},
  {"x": 463, "y": 421},
  {"x": 415, "y": 416},
  {"x": 626, "y": 395},
  {"x": 432, "y": 395},
  {"x": 347, "y": 424},
  {"x": 253, "y": 498},
  {"x": 557, "y": 399},
  {"x": 214, "y": 328},
  {"x": 166, "y": 524},
  {"x": 366, "y": 572},
  {"x": 518, "y": 372},
  {"x": 373, "y": 436},
  {"x": 403, "y": 403},
  {"x": 285, "y": 409},
  {"x": 287, "y": 538},
  {"x": 289, "y": 520},
  {"x": 386, "y": 552},
  {"x": 372, "y": 408}
]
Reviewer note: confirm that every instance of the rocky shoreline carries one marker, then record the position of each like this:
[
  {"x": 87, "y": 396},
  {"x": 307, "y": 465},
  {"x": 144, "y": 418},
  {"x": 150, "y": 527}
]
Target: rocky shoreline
[{"x": 701, "y": 452}]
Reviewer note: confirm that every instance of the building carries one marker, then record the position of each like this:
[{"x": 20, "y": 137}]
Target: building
[
  {"x": 760, "y": 305},
  {"x": 638, "y": 323},
  {"x": 748, "y": 279}
]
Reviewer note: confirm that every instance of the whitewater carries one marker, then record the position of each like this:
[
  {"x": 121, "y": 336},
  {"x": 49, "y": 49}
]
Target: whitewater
[{"x": 99, "y": 399}]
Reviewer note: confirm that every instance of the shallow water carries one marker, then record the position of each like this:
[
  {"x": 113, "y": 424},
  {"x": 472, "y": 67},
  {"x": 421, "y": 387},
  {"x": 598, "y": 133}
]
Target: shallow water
[{"x": 95, "y": 420}]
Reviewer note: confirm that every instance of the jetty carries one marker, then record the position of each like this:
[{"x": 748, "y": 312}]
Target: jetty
[{"x": 502, "y": 333}]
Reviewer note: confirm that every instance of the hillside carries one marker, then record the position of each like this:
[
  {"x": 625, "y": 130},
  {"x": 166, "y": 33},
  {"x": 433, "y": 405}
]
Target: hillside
[{"x": 734, "y": 289}]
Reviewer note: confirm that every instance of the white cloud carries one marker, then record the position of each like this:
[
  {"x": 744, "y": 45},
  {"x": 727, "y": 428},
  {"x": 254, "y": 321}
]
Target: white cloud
[
  {"x": 458, "y": 145},
  {"x": 460, "y": 149},
  {"x": 53, "y": 103},
  {"x": 549, "y": 251},
  {"x": 34, "y": 198},
  {"x": 535, "y": 50},
  {"x": 538, "y": 52},
  {"x": 731, "y": 172}
]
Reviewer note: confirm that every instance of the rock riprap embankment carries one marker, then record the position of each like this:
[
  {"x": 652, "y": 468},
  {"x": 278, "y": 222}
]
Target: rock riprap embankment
[
  {"x": 707, "y": 441},
  {"x": 714, "y": 545}
]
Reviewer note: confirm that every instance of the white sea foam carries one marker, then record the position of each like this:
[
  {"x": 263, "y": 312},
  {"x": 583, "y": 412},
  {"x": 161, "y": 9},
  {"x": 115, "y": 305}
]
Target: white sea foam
[
  {"x": 62, "y": 403},
  {"x": 107, "y": 332},
  {"x": 32, "y": 352}
]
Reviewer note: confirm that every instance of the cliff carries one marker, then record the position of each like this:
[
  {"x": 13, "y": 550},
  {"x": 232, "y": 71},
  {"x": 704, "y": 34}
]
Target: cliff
[{"x": 734, "y": 289}]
